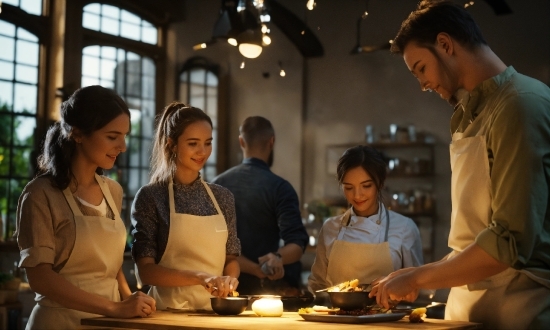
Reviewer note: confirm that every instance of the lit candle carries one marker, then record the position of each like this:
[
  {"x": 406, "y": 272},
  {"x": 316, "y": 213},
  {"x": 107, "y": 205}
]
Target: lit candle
[{"x": 268, "y": 306}]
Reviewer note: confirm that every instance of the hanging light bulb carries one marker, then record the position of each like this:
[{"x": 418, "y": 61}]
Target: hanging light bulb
[
  {"x": 282, "y": 72},
  {"x": 200, "y": 46},
  {"x": 250, "y": 43},
  {"x": 266, "y": 40},
  {"x": 232, "y": 41},
  {"x": 311, "y": 4},
  {"x": 242, "y": 65}
]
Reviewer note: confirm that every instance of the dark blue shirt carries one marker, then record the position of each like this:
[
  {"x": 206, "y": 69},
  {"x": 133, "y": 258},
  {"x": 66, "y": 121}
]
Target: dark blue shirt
[{"x": 267, "y": 209}]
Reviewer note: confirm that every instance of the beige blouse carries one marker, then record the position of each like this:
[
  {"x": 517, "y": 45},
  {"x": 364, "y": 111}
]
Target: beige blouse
[{"x": 45, "y": 224}]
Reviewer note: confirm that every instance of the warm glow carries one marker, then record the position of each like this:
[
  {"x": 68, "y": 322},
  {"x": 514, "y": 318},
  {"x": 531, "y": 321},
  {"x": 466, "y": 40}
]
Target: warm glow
[
  {"x": 199, "y": 46},
  {"x": 242, "y": 65},
  {"x": 232, "y": 41},
  {"x": 282, "y": 73},
  {"x": 311, "y": 4},
  {"x": 250, "y": 50},
  {"x": 268, "y": 306},
  {"x": 266, "y": 40},
  {"x": 264, "y": 28}
]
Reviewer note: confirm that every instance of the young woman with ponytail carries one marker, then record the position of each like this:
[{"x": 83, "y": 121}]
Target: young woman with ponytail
[
  {"x": 69, "y": 229},
  {"x": 185, "y": 237}
]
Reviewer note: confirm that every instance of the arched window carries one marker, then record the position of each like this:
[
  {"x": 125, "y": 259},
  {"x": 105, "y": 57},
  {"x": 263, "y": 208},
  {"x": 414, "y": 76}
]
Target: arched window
[
  {"x": 132, "y": 74},
  {"x": 198, "y": 87},
  {"x": 19, "y": 77}
]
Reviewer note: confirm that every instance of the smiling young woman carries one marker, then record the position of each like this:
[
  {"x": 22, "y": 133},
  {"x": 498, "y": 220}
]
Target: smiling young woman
[
  {"x": 368, "y": 241},
  {"x": 185, "y": 237}
]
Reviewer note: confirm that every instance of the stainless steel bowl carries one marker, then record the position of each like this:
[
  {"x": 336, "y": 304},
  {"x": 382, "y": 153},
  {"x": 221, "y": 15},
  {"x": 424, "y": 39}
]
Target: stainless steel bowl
[
  {"x": 351, "y": 300},
  {"x": 229, "y": 305}
]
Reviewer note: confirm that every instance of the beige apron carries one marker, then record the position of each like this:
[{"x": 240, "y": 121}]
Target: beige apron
[
  {"x": 502, "y": 301},
  {"x": 194, "y": 243},
  {"x": 364, "y": 261},
  {"x": 93, "y": 265}
]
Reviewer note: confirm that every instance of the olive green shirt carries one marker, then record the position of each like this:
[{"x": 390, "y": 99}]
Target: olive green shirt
[{"x": 516, "y": 127}]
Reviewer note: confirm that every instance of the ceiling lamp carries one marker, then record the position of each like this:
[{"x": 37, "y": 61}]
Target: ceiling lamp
[{"x": 250, "y": 43}]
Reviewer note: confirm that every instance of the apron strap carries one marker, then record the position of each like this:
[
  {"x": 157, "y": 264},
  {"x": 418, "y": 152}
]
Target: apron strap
[
  {"x": 209, "y": 191},
  {"x": 346, "y": 218},
  {"x": 387, "y": 222},
  {"x": 171, "y": 196},
  {"x": 72, "y": 203},
  {"x": 108, "y": 196}
]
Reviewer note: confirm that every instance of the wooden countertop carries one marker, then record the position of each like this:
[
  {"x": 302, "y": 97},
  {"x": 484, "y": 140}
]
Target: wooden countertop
[{"x": 249, "y": 320}]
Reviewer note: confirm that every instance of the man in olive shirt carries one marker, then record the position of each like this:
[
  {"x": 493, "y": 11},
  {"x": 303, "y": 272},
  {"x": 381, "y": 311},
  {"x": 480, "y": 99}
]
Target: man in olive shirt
[{"x": 500, "y": 158}]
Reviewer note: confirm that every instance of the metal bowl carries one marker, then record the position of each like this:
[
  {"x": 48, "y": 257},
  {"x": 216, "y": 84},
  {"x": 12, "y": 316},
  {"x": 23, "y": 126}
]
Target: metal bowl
[
  {"x": 229, "y": 305},
  {"x": 351, "y": 300}
]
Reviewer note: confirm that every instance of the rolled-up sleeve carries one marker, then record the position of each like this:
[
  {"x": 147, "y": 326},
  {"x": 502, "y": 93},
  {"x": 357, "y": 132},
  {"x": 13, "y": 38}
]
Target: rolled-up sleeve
[
  {"x": 35, "y": 229},
  {"x": 289, "y": 219},
  {"x": 145, "y": 222},
  {"x": 518, "y": 148}
]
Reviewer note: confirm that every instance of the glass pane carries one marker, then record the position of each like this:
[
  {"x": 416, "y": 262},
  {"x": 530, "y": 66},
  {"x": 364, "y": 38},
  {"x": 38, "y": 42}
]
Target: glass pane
[
  {"x": 21, "y": 164},
  {"x": 108, "y": 69},
  {"x": 148, "y": 109},
  {"x": 183, "y": 93},
  {"x": 107, "y": 83},
  {"x": 197, "y": 96},
  {"x": 27, "y": 52},
  {"x": 148, "y": 88},
  {"x": 6, "y": 70},
  {"x": 144, "y": 176},
  {"x": 110, "y": 11},
  {"x": 90, "y": 21},
  {"x": 93, "y": 8},
  {"x": 25, "y": 73},
  {"x": 25, "y": 98},
  {"x": 211, "y": 79},
  {"x": 109, "y": 25},
  {"x": 133, "y": 181},
  {"x": 24, "y": 34},
  {"x": 6, "y": 94},
  {"x": 146, "y": 150},
  {"x": 5, "y": 133},
  {"x": 133, "y": 87},
  {"x": 87, "y": 81},
  {"x": 197, "y": 76},
  {"x": 32, "y": 6},
  {"x": 129, "y": 17},
  {"x": 132, "y": 56},
  {"x": 90, "y": 66},
  {"x": 108, "y": 52},
  {"x": 24, "y": 130},
  {"x": 135, "y": 118},
  {"x": 8, "y": 48},
  {"x": 149, "y": 35},
  {"x": 130, "y": 31},
  {"x": 12, "y": 2},
  {"x": 91, "y": 50}
]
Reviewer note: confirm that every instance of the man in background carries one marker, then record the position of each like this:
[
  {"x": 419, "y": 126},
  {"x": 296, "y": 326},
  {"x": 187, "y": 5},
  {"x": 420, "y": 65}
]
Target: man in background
[{"x": 268, "y": 211}]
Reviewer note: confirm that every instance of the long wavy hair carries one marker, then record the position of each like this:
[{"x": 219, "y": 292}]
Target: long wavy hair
[
  {"x": 88, "y": 109},
  {"x": 171, "y": 123}
]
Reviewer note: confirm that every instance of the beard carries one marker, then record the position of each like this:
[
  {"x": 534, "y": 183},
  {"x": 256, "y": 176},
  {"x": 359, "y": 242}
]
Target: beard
[{"x": 270, "y": 159}]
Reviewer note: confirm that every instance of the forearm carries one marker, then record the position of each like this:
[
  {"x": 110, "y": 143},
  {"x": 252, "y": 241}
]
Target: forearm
[
  {"x": 231, "y": 267},
  {"x": 250, "y": 267},
  {"x": 123, "y": 287},
  {"x": 290, "y": 253},
  {"x": 45, "y": 281},
  {"x": 471, "y": 265},
  {"x": 155, "y": 274}
]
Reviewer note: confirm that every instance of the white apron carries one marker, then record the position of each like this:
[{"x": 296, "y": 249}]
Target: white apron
[
  {"x": 502, "y": 301},
  {"x": 364, "y": 261},
  {"x": 194, "y": 243},
  {"x": 93, "y": 265}
]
